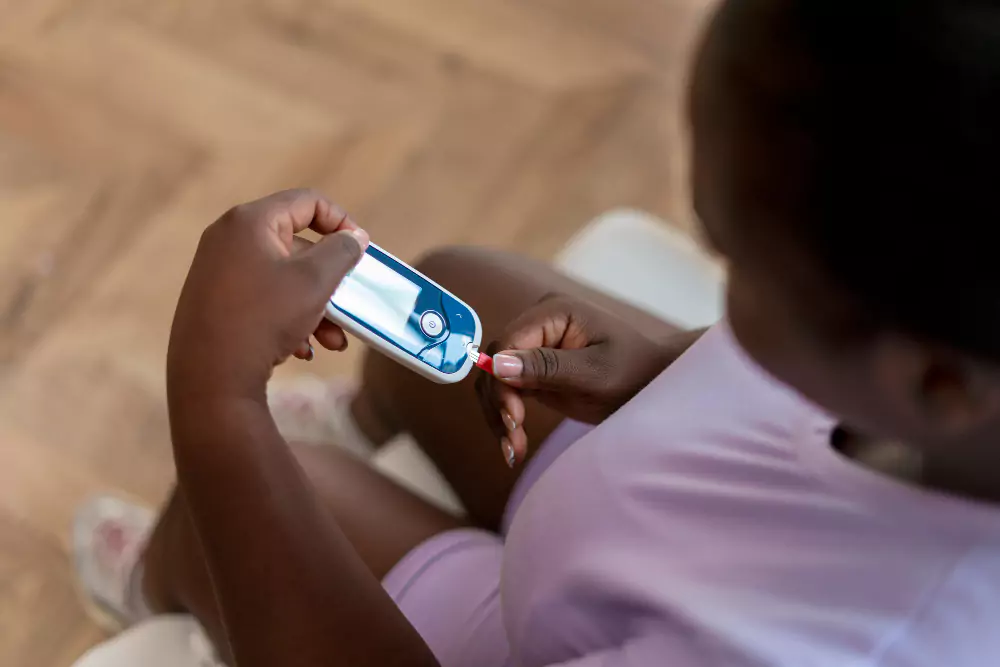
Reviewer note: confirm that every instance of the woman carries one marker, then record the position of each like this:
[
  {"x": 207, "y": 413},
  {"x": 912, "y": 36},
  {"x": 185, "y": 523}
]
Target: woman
[{"x": 811, "y": 482}]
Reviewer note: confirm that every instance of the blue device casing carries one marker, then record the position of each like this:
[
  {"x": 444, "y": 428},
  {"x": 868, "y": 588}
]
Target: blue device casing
[{"x": 442, "y": 356}]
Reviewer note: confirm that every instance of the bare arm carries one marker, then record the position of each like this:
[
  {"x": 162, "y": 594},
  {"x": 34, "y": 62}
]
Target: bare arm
[
  {"x": 258, "y": 520},
  {"x": 291, "y": 588}
]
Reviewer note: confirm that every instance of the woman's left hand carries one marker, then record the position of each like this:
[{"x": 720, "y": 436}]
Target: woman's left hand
[{"x": 250, "y": 302}]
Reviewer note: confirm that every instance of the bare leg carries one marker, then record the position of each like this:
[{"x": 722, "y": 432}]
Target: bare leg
[
  {"x": 382, "y": 520},
  {"x": 445, "y": 419}
]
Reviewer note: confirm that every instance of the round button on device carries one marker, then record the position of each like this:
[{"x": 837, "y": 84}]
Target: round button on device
[{"x": 432, "y": 324}]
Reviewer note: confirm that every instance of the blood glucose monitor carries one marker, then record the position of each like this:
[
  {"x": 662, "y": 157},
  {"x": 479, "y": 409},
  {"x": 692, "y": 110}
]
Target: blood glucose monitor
[{"x": 407, "y": 316}]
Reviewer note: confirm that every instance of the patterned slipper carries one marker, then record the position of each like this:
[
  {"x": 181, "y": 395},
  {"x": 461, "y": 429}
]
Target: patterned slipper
[
  {"x": 109, "y": 536},
  {"x": 314, "y": 411}
]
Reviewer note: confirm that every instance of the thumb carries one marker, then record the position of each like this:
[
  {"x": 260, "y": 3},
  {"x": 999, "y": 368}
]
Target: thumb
[
  {"x": 543, "y": 368},
  {"x": 334, "y": 256}
]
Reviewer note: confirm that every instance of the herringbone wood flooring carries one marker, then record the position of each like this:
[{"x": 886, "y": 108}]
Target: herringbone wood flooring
[{"x": 127, "y": 126}]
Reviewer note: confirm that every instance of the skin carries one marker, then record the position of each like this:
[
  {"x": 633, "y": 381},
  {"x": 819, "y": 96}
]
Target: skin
[
  {"x": 247, "y": 305},
  {"x": 573, "y": 358}
]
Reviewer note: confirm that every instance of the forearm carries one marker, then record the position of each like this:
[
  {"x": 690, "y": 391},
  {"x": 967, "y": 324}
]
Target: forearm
[{"x": 291, "y": 588}]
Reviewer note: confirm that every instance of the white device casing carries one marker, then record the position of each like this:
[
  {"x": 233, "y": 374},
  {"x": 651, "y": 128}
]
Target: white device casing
[{"x": 397, "y": 354}]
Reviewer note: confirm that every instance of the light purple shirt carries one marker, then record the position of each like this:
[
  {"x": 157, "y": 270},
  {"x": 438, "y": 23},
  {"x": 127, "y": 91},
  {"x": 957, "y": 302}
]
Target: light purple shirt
[{"x": 709, "y": 522}]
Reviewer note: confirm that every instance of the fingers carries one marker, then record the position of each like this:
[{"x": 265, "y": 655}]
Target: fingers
[
  {"x": 505, "y": 412},
  {"x": 512, "y": 414},
  {"x": 490, "y": 406},
  {"x": 284, "y": 214},
  {"x": 305, "y": 351},
  {"x": 546, "y": 368},
  {"x": 545, "y": 348},
  {"x": 291, "y": 211},
  {"x": 330, "y": 336},
  {"x": 331, "y": 258},
  {"x": 555, "y": 321},
  {"x": 510, "y": 405},
  {"x": 299, "y": 244},
  {"x": 327, "y": 334},
  {"x": 544, "y": 325}
]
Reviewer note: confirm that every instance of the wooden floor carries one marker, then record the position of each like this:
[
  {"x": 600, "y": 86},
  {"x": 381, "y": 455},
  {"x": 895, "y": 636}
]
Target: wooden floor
[{"x": 126, "y": 126}]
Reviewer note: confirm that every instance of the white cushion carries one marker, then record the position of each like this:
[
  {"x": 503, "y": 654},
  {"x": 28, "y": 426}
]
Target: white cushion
[
  {"x": 163, "y": 641},
  {"x": 645, "y": 262}
]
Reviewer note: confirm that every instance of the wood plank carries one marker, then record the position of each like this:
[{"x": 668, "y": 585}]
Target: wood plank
[
  {"x": 127, "y": 126},
  {"x": 516, "y": 41}
]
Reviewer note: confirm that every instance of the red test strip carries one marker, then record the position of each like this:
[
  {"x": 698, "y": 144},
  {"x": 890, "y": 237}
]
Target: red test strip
[{"x": 485, "y": 362}]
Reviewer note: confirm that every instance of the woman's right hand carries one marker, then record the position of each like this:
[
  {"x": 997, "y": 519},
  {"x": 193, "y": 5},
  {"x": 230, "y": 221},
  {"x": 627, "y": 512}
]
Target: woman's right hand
[{"x": 573, "y": 357}]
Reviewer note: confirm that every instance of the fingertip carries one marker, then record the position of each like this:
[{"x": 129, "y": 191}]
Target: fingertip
[
  {"x": 521, "y": 447},
  {"x": 508, "y": 451},
  {"x": 513, "y": 404},
  {"x": 357, "y": 236},
  {"x": 508, "y": 420},
  {"x": 360, "y": 235},
  {"x": 332, "y": 258},
  {"x": 519, "y": 444},
  {"x": 330, "y": 336},
  {"x": 329, "y": 216},
  {"x": 507, "y": 367}
]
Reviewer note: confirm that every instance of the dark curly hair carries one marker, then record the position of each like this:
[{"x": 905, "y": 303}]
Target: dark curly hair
[{"x": 895, "y": 120}]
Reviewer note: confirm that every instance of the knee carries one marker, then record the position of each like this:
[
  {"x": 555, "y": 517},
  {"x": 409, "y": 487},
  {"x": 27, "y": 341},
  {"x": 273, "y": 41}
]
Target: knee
[{"x": 448, "y": 263}]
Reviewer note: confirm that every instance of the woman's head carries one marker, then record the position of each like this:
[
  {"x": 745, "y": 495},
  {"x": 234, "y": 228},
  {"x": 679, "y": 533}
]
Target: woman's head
[{"x": 845, "y": 162}]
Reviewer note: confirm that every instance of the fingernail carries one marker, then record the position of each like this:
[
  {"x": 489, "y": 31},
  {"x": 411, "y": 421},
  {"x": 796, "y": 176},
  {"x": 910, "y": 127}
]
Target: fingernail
[
  {"x": 507, "y": 366},
  {"x": 508, "y": 421},
  {"x": 362, "y": 237},
  {"x": 508, "y": 452},
  {"x": 311, "y": 354}
]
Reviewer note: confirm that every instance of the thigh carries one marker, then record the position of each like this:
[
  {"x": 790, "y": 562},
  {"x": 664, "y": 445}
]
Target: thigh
[
  {"x": 445, "y": 419},
  {"x": 443, "y": 575},
  {"x": 382, "y": 520}
]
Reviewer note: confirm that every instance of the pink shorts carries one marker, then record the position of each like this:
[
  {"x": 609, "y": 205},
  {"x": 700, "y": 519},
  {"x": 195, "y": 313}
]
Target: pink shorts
[{"x": 449, "y": 586}]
